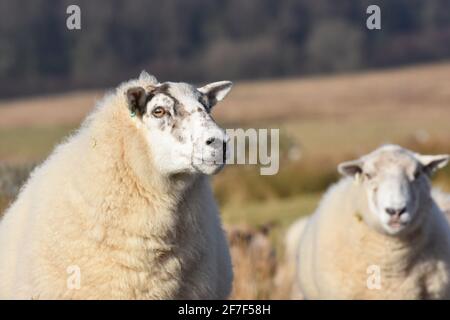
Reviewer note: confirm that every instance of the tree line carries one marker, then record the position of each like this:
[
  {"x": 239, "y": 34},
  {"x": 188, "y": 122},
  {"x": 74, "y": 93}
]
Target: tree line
[{"x": 202, "y": 40}]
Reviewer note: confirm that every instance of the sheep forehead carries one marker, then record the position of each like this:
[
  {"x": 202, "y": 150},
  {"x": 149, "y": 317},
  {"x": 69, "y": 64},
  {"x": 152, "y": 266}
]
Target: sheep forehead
[
  {"x": 391, "y": 159},
  {"x": 183, "y": 100},
  {"x": 161, "y": 99},
  {"x": 184, "y": 93}
]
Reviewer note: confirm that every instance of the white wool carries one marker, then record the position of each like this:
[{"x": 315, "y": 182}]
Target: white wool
[
  {"x": 286, "y": 274},
  {"x": 97, "y": 221},
  {"x": 339, "y": 253},
  {"x": 147, "y": 78}
]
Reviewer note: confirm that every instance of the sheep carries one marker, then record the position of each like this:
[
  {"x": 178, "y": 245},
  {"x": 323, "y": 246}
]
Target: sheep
[
  {"x": 378, "y": 234},
  {"x": 123, "y": 209},
  {"x": 285, "y": 277}
]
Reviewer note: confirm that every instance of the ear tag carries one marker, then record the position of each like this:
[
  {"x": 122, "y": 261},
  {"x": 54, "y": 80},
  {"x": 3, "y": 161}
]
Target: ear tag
[{"x": 133, "y": 114}]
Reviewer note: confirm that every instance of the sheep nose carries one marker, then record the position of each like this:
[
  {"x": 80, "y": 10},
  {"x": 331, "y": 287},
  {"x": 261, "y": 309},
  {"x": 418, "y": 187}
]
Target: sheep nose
[
  {"x": 395, "y": 212},
  {"x": 211, "y": 141},
  {"x": 216, "y": 142}
]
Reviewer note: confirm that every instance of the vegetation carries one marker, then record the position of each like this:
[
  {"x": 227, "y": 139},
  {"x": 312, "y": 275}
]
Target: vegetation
[{"x": 200, "y": 40}]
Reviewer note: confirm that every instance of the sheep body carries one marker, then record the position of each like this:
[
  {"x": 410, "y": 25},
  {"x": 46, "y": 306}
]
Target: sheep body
[
  {"x": 286, "y": 275},
  {"x": 339, "y": 253},
  {"x": 94, "y": 221}
]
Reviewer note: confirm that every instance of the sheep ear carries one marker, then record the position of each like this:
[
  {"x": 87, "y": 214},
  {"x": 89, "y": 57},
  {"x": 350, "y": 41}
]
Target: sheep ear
[
  {"x": 145, "y": 76},
  {"x": 433, "y": 163},
  {"x": 216, "y": 91},
  {"x": 350, "y": 168},
  {"x": 137, "y": 100}
]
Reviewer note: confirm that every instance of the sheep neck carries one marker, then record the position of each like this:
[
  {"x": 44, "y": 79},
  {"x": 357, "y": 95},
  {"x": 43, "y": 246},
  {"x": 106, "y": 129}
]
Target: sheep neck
[
  {"x": 130, "y": 181},
  {"x": 395, "y": 254}
]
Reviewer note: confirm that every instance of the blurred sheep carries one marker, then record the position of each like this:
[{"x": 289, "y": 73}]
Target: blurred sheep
[{"x": 378, "y": 233}]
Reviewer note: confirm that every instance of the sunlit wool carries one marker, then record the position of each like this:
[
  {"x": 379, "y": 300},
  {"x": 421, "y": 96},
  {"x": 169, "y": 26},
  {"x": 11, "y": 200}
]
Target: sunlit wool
[
  {"x": 99, "y": 206},
  {"x": 346, "y": 252}
]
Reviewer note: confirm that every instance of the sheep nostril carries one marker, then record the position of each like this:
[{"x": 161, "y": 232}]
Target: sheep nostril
[
  {"x": 395, "y": 212},
  {"x": 390, "y": 211},
  {"x": 210, "y": 141}
]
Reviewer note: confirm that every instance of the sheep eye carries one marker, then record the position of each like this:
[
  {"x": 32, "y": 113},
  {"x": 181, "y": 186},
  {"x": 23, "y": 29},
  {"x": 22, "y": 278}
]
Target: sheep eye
[{"x": 158, "y": 112}]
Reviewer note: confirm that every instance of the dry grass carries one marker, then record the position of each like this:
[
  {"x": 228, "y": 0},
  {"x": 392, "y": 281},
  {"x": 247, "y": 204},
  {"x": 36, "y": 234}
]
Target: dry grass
[
  {"x": 339, "y": 114},
  {"x": 254, "y": 261},
  {"x": 405, "y": 92},
  {"x": 59, "y": 110}
]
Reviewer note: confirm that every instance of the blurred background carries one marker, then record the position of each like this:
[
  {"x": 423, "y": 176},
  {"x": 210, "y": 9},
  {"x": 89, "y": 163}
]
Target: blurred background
[{"x": 335, "y": 89}]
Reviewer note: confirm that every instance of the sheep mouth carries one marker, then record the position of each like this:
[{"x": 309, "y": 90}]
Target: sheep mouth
[
  {"x": 396, "y": 225},
  {"x": 212, "y": 159},
  {"x": 208, "y": 167}
]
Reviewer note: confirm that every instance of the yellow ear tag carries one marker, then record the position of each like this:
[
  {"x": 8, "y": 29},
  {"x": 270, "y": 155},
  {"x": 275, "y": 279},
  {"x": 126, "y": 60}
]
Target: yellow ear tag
[{"x": 358, "y": 217}]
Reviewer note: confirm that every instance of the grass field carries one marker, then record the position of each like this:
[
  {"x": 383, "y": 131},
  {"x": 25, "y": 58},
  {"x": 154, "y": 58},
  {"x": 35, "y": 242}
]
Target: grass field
[
  {"x": 327, "y": 115},
  {"x": 330, "y": 119}
]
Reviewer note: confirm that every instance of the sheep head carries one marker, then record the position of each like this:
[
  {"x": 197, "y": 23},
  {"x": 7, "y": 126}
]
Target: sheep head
[
  {"x": 176, "y": 121},
  {"x": 396, "y": 184}
]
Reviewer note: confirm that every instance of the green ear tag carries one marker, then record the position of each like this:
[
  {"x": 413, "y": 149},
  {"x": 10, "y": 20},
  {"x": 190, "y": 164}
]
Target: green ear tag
[{"x": 133, "y": 114}]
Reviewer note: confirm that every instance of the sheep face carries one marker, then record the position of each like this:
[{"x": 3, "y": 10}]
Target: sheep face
[
  {"x": 178, "y": 127},
  {"x": 396, "y": 183}
]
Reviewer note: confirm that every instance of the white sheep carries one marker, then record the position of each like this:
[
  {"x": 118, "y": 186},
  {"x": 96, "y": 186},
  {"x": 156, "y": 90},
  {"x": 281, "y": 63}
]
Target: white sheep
[
  {"x": 285, "y": 277},
  {"x": 123, "y": 209},
  {"x": 378, "y": 234}
]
